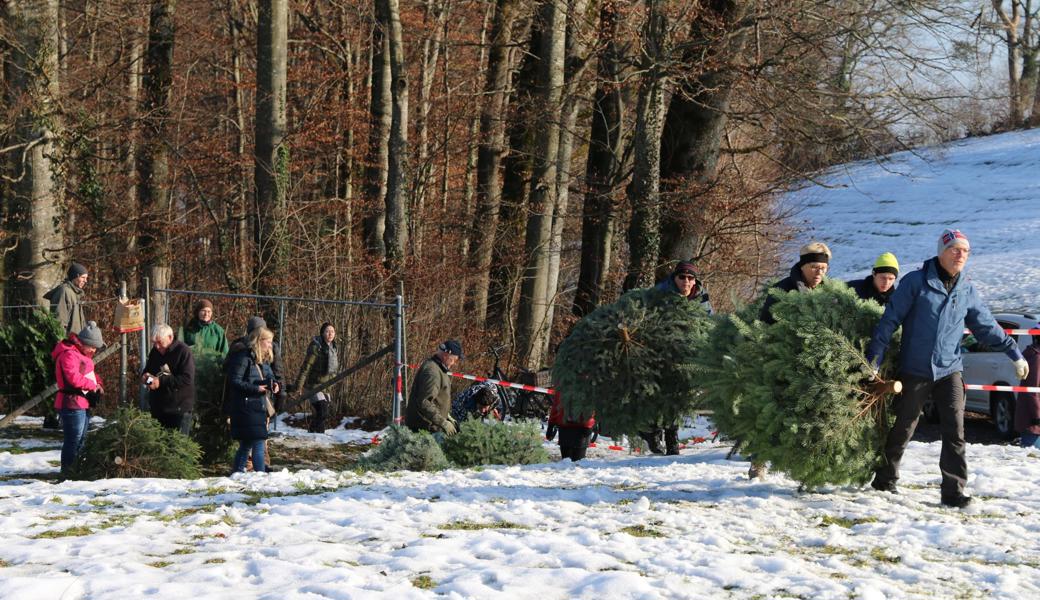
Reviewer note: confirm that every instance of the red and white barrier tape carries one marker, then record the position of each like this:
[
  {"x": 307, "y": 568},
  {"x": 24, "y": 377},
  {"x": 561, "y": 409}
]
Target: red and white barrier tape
[
  {"x": 503, "y": 383},
  {"x": 1002, "y": 388},
  {"x": 1016, "y": 331}
]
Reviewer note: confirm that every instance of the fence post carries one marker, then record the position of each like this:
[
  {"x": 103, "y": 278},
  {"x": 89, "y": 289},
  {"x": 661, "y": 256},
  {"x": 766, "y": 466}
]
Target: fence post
[
  {"x": 398, "y": 359},
  {"x": 404, "y": 337},
  {"x": 122, "y": 352},
  {"x": 142, "y": 400},
  {"x": 281, "y": 344}
]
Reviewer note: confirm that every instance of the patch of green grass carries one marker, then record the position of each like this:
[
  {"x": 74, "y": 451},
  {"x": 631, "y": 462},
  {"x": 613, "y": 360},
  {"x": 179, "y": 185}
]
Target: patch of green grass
[
  {"x": 180, "y": 513},
  {"x": 837, "y": 551},
  {"x": 424, "y": 582},
  {"x": 55, "y": 500},
  {"x": 160, "y": 564},
  {"x": 215, "y": 491},
  {"x": 76, "y": 531},
  {"x": 54, "y": 463},
  {"x": 16, "y": 449},
  {"x": 101, "y": 503},
  {"x": 54, "y": 517},
  {"x": 474, "y": 526},
  {"x": 628, "y": 487},
  {"x": 642, "y": 531},
  {"x": 213, "y": 561},
  {"x": 845, "y": 522},
  {"x": 4, "y": 563},
  {"x": 180, "y": 551},
  {"x": 123, "y": 520},
  {"x": 880, "y": 555}
]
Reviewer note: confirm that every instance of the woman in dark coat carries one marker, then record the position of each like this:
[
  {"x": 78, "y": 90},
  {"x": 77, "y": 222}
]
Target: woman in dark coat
[
  {"x": 251, "y": 381},
  {"x": 320, "y": 365}
]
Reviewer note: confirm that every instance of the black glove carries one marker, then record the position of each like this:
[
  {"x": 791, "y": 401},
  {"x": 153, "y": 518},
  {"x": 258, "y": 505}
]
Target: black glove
[{"x": 550, "y": 431}]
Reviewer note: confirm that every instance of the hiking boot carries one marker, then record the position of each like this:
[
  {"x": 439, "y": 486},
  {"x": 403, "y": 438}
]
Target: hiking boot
[
  {"x": 653, "y": 442},
  {"x": 757, "y": 471},
  {"x": 671, "y": 441},
  {"x": 884, "y": 486},
  {"x": 957, "y": 500}
]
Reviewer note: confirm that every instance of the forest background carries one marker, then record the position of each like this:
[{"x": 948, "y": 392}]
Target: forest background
[{"x": 511, "y": 163}]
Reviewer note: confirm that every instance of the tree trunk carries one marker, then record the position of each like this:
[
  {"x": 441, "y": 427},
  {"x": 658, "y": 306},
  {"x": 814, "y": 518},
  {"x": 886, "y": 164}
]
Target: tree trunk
[
  {"x": 395, "y": 236},
  {"x": 575, "y": 93},
  {"x": 490, "y": 153},
  {"x": 153, "y": 164},
  {"x": 436, "y": 10},
  {"x": 697, "y": 116},
  {"x": 35, "y": 196},
  {"x": 271, "y": 172},
  {"x": 603, "y": 170},
  {"x": 237, "y": 211},
  {"x": 532, "y": 327},
  {"x": 644, "y": 189},
  {"x": 381, "y": 110}
]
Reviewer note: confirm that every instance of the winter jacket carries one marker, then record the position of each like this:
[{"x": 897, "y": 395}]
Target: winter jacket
[
  {"x": 933, "y": 323},
  {"x": 201, "y": 335},
  {"x": 792, "y": 283},
  {"x": 176, "y": 392},
  {"x": 248, "y": 405},
  {"x": 698, "y": 294},
  {"x": 1027, "y": 410},
  {"x": 865, "y": 289},
  {"x": 429, "y": 403},
  {"x": 315, "y": 368},
  {"x": 558, "y": 417},
  {"x": 73, "y": 371},
  {"x": 67, "y": 307},
  {"x": 242, "y": 343}
]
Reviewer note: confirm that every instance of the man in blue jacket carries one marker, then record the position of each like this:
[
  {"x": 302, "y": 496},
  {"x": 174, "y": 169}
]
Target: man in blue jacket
[{"x": 933, "y": 305}]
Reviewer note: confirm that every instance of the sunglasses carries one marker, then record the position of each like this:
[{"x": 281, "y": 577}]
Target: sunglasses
[{"x": 689, "y": 277}]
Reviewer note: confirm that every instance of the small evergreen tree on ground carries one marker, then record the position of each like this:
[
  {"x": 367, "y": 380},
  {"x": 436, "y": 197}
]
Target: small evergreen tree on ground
[
  {"x": 627, "y": 362},
  {"x": 496, "y": 443},
  {"x": 133, "y": 444},
  {"x": 211, "y": 429},
  {"x": 401, "y": 449},
  {"x": 798, "y": 393}
]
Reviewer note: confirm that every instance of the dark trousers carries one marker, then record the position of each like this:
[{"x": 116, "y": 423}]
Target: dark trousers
[
  {"x": 574, "y": 442},
  {"x": 180, "y": 422},
  {"x": 948, "y": 396},
  {"x": 319, "y": 416}
]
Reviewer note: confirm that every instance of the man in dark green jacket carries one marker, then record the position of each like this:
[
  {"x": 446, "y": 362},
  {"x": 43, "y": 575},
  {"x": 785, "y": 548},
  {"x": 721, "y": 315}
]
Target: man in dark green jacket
[{"x": 429, "y": 404}]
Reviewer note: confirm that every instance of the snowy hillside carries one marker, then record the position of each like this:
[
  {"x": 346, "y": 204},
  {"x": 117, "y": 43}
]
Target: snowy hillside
[{"x": 989, "y": 188}]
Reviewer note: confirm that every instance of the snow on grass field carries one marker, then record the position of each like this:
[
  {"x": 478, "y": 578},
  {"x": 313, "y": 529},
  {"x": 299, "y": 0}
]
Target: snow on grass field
[{"x": 615, "y": 526}]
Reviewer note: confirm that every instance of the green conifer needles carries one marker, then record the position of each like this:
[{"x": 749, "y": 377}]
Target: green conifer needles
[
  {"x": 629, "y": 362},
  {"x": 798, "y": 393}
]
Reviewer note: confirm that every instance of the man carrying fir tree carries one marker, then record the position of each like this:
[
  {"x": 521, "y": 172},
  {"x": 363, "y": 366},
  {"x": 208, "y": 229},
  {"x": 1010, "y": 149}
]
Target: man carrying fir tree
[
  {"x": 806, "y": 274},
  {"x": 683, "y": 282},
  {"x": 933, "y": 304},
  {"x": 429, "y": 403},
  {"x": 881, "y": 283}
]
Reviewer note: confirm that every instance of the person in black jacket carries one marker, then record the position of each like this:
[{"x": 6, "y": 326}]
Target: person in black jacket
[
  {"x": 169, "y": 374},
  {"x": 251, "y": 380},
  {"x": 879, "y": 285},
  {"x": 806, "y": 274}
]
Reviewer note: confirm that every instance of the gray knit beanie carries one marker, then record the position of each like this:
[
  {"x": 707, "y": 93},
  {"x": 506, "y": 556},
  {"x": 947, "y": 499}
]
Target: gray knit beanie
[
  {"x": 91, "y": 335},
  {"x": 75, "y": 270},
  {"x": 255, "y": 322}
]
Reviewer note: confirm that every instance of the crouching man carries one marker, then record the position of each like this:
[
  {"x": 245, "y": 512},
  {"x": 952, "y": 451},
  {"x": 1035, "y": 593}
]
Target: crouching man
[{"x": 429, "y": 403}]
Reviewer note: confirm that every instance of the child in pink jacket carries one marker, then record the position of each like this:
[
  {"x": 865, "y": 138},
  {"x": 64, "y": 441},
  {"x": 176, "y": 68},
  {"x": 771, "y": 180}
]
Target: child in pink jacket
[{"x": 77, "y": 385}]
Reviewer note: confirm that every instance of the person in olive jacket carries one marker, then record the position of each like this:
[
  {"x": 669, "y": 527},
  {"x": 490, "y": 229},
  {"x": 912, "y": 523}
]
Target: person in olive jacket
[
  {"x": 251, "y": 380},
  {"x": 169, "y": 374},
  {"x": 1027, "y": 410},
  {"x": 429, "y": 403},
  {"x": 320, "y": 365}
]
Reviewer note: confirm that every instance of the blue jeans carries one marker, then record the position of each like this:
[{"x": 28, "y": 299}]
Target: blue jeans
[
  {"x": 242, "y": 456},
  {"x": 1030, "y": 440},
  {"x": 74, "y": 424}
]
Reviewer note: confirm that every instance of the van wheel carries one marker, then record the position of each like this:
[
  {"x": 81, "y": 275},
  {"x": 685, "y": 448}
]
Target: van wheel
[{"x": 1002, "y": 410}]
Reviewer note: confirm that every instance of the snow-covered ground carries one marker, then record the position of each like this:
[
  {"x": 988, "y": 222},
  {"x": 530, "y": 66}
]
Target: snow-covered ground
[
  {"x": 615, "y": 526},
  {"x": 989, "y": 188}
]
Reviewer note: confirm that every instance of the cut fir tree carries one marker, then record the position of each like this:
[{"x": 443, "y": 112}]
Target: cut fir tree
[
  {"x": 628, "y": 362},
  {"x": 799, "y": 393}
]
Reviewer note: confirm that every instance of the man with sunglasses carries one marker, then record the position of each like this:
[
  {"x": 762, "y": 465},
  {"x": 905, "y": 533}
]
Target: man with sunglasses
[
  {"x": 933, "y": 305},
  {"x": 684, "y": 282}
]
